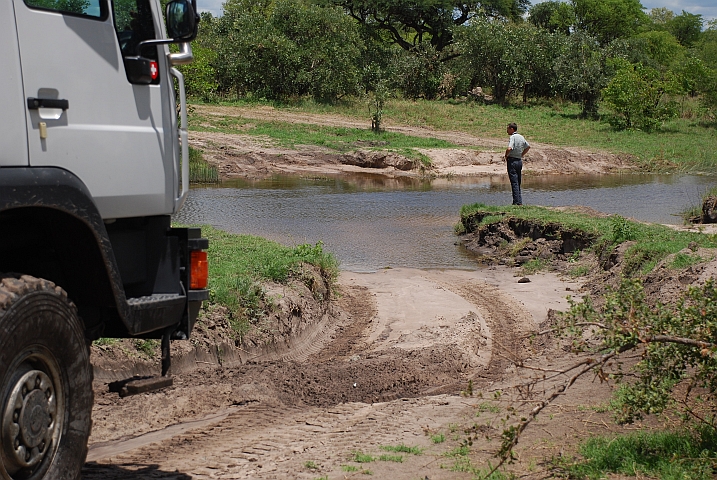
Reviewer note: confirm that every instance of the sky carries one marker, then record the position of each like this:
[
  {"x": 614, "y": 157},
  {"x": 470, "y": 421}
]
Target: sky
[{"x": 706, "y": 8}]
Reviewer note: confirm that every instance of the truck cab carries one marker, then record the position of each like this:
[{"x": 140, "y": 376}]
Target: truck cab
[{"x": 93, "y": 163}]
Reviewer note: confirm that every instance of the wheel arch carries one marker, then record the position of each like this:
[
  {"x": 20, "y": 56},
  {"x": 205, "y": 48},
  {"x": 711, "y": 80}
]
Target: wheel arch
[{"x": 53, "y": 230}]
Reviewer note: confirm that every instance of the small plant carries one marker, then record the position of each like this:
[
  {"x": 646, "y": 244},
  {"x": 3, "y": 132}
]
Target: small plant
[
  {"x": 349, "y": 468},
  {"x": 391, "y": 458},
  {"x": 438, "y": 438},
  {"x": 359, "y": 457},
  {"x": 533, "y": 266},
  {"x": 622, "y": 229},
  {"x": 402, "y": 449},
  {"x": 311, "y": 465},
  {"x": 460, "y": 451},
  {"x": 468, "y": 392},
  {"x": 579, "y": 271},
  {"x": 105, "y": 342},
  {"x": 146, "y": 347}
]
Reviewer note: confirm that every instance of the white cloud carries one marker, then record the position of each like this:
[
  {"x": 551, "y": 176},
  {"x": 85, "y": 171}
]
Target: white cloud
[{"x": 212, "y": 6}]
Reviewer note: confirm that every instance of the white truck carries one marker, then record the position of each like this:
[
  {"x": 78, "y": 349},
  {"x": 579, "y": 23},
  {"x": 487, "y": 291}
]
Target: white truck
[{"x": 93, "y": 163}]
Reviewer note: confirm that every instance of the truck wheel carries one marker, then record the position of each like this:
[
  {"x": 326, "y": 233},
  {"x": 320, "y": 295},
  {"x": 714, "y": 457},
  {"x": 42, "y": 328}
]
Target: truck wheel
[{"x": 45, "y": 382}]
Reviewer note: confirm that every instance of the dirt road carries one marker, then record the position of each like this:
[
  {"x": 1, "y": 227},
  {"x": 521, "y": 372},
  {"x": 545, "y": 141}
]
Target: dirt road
[{"x": 413, "y": 359}]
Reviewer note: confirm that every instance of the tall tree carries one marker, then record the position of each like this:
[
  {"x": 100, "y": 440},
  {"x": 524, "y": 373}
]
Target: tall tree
[
  {"x": 553, "y": 15},
  {"x": 686, "y": 27},
  {"x": 608, "y": 20},
  {"x": 412, "y": 22}
]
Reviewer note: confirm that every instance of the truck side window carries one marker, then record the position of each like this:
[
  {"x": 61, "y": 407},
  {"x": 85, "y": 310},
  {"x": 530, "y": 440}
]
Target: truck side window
[
  {"x": 85, "y": 8},
  {"x": 134, "y": 24}
]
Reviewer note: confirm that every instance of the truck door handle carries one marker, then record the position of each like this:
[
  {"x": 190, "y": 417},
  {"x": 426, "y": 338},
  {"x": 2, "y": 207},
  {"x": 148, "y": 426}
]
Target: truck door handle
[{"x": 36, "y": 103}]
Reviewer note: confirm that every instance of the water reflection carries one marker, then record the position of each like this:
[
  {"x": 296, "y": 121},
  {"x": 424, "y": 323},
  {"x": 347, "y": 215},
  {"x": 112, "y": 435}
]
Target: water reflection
[{"x": 370, "y": 222}]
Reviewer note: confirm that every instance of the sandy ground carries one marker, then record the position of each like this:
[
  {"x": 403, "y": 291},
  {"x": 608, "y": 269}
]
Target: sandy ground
[
  {"x": 406, "y": 344},
  {"x": 398, "y": 358}
]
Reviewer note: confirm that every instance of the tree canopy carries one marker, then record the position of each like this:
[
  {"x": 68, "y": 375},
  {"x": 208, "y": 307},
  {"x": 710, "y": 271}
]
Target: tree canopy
[{"x": 409, "y": 23}]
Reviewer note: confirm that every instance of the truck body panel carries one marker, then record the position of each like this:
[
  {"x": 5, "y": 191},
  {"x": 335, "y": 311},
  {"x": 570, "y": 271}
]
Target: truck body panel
[
  {"x": 115, "y": 136},
  {"x": 13, "y": 144}
]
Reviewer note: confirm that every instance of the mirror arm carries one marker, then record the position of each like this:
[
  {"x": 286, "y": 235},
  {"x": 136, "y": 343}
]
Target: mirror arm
[{"x": 184, "y": 56}]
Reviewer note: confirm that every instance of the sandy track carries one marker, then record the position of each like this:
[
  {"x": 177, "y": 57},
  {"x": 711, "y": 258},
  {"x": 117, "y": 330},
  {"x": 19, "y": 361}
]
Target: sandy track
[{"x": 389, "y": 373}]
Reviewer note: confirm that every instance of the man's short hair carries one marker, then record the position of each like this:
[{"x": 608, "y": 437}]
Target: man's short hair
[{"x": 514, "y": 126}]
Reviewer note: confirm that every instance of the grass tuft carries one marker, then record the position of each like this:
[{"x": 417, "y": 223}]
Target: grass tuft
[{"x": 665, "y": 455}]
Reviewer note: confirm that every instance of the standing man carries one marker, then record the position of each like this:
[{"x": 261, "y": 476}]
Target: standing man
[{"x": 517, "y": 148}]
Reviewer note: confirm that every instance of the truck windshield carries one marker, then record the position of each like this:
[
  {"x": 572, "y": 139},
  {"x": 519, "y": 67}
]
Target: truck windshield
[{"x": 84, "y": 8}]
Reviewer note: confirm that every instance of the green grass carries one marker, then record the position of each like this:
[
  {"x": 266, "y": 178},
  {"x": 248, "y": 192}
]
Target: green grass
[
  {"x": 653, "y": 242},
  {"x": 438, "y": 438},
  {"x": 200, "y": 171},
  {"x": 681, "y": 145},
  {"x": 665, "y": 455},
  {"x": 402, "y": 449},
  {"x": 360, "y": 457},
  {"x": 238, "y": 264}
]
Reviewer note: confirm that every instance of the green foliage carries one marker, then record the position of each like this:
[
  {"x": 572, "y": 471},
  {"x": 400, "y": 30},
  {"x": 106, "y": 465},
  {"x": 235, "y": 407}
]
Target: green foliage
[
  {"x": 677, "y": 344},
  {"x": 686, "y": 27},
  {"x": 70, "y": 6},
  {"x": 287, "y": 48},
  {"x": 360, "y": 457},
  {"x": 579, "y": 73},
  {"x": 553, "y": 15},
  {"x": 666, "y": 455},
  {"x": 420, "y": 22},
  {"x": 238, "y": 264},
  {"x": 391, "y": 458},
  {"x": 533, "y": 266},
  {"x": 507, "y": 57},
  {"x": 200, "y": 76},
  {"x": 623, "y": 230},
  {"x": 402, "y": 449},
  {"x": 636, "y": 94},
  {"x": 420, "y": 72},
  {"x": 438, "y": 438},
  {"x": 684, "y": 260},
  {"x": 608, "y": 20}
]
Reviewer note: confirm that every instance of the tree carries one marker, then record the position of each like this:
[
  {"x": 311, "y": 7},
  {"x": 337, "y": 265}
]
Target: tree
[
  {"x": 686, "y": 27},
  {"x": 553, "y": 15},
  {"x": 661, "y": 47},
  {"x": 411, "y": 22},
  {"x": 288, "y": 48},
  {"x": 608, "y": 20},
  {"x": 506, "y": 57},
  {"x": 580, "y": 74},
  {"x": 636, "y": 94},
  {"x": 661, "y": 16}
]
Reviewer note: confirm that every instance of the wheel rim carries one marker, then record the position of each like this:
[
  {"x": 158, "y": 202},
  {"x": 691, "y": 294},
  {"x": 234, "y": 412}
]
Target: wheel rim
[{"x": 32, "y": 417}]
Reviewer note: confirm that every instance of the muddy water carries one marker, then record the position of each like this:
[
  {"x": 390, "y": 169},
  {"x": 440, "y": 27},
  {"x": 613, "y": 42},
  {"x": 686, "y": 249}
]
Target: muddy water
[{"x": 371, "y": 222}]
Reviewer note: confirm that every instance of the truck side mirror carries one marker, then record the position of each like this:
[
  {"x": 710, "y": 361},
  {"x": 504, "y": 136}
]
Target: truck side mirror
[{"x": 182, "y": 20}]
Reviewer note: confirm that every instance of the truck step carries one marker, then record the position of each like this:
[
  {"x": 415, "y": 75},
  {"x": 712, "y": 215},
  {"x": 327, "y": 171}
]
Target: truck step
[
  {"x": 135, "y": 385},
  {"x": 156, "y": 300}
]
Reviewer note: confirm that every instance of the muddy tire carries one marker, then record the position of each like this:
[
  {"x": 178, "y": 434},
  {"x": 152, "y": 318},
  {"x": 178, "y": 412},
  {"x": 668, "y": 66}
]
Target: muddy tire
[{"x": 45, "y": 382}]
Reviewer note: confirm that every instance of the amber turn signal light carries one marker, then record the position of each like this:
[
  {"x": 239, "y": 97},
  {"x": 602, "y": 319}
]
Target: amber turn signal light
[{"x": 199, "y": 273}]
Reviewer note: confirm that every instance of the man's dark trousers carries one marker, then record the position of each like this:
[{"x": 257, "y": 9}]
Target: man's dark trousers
[{"x": 515, "y": 166}]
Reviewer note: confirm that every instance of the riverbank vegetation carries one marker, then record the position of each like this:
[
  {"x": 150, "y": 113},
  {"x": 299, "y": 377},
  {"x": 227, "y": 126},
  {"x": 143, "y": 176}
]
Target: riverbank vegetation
[
  {"x": 649, "y": 243},
  {"x": 241, "y": 265},
  {"x": 656, "y": 344},
  {"x": 604, "y": 69}
]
